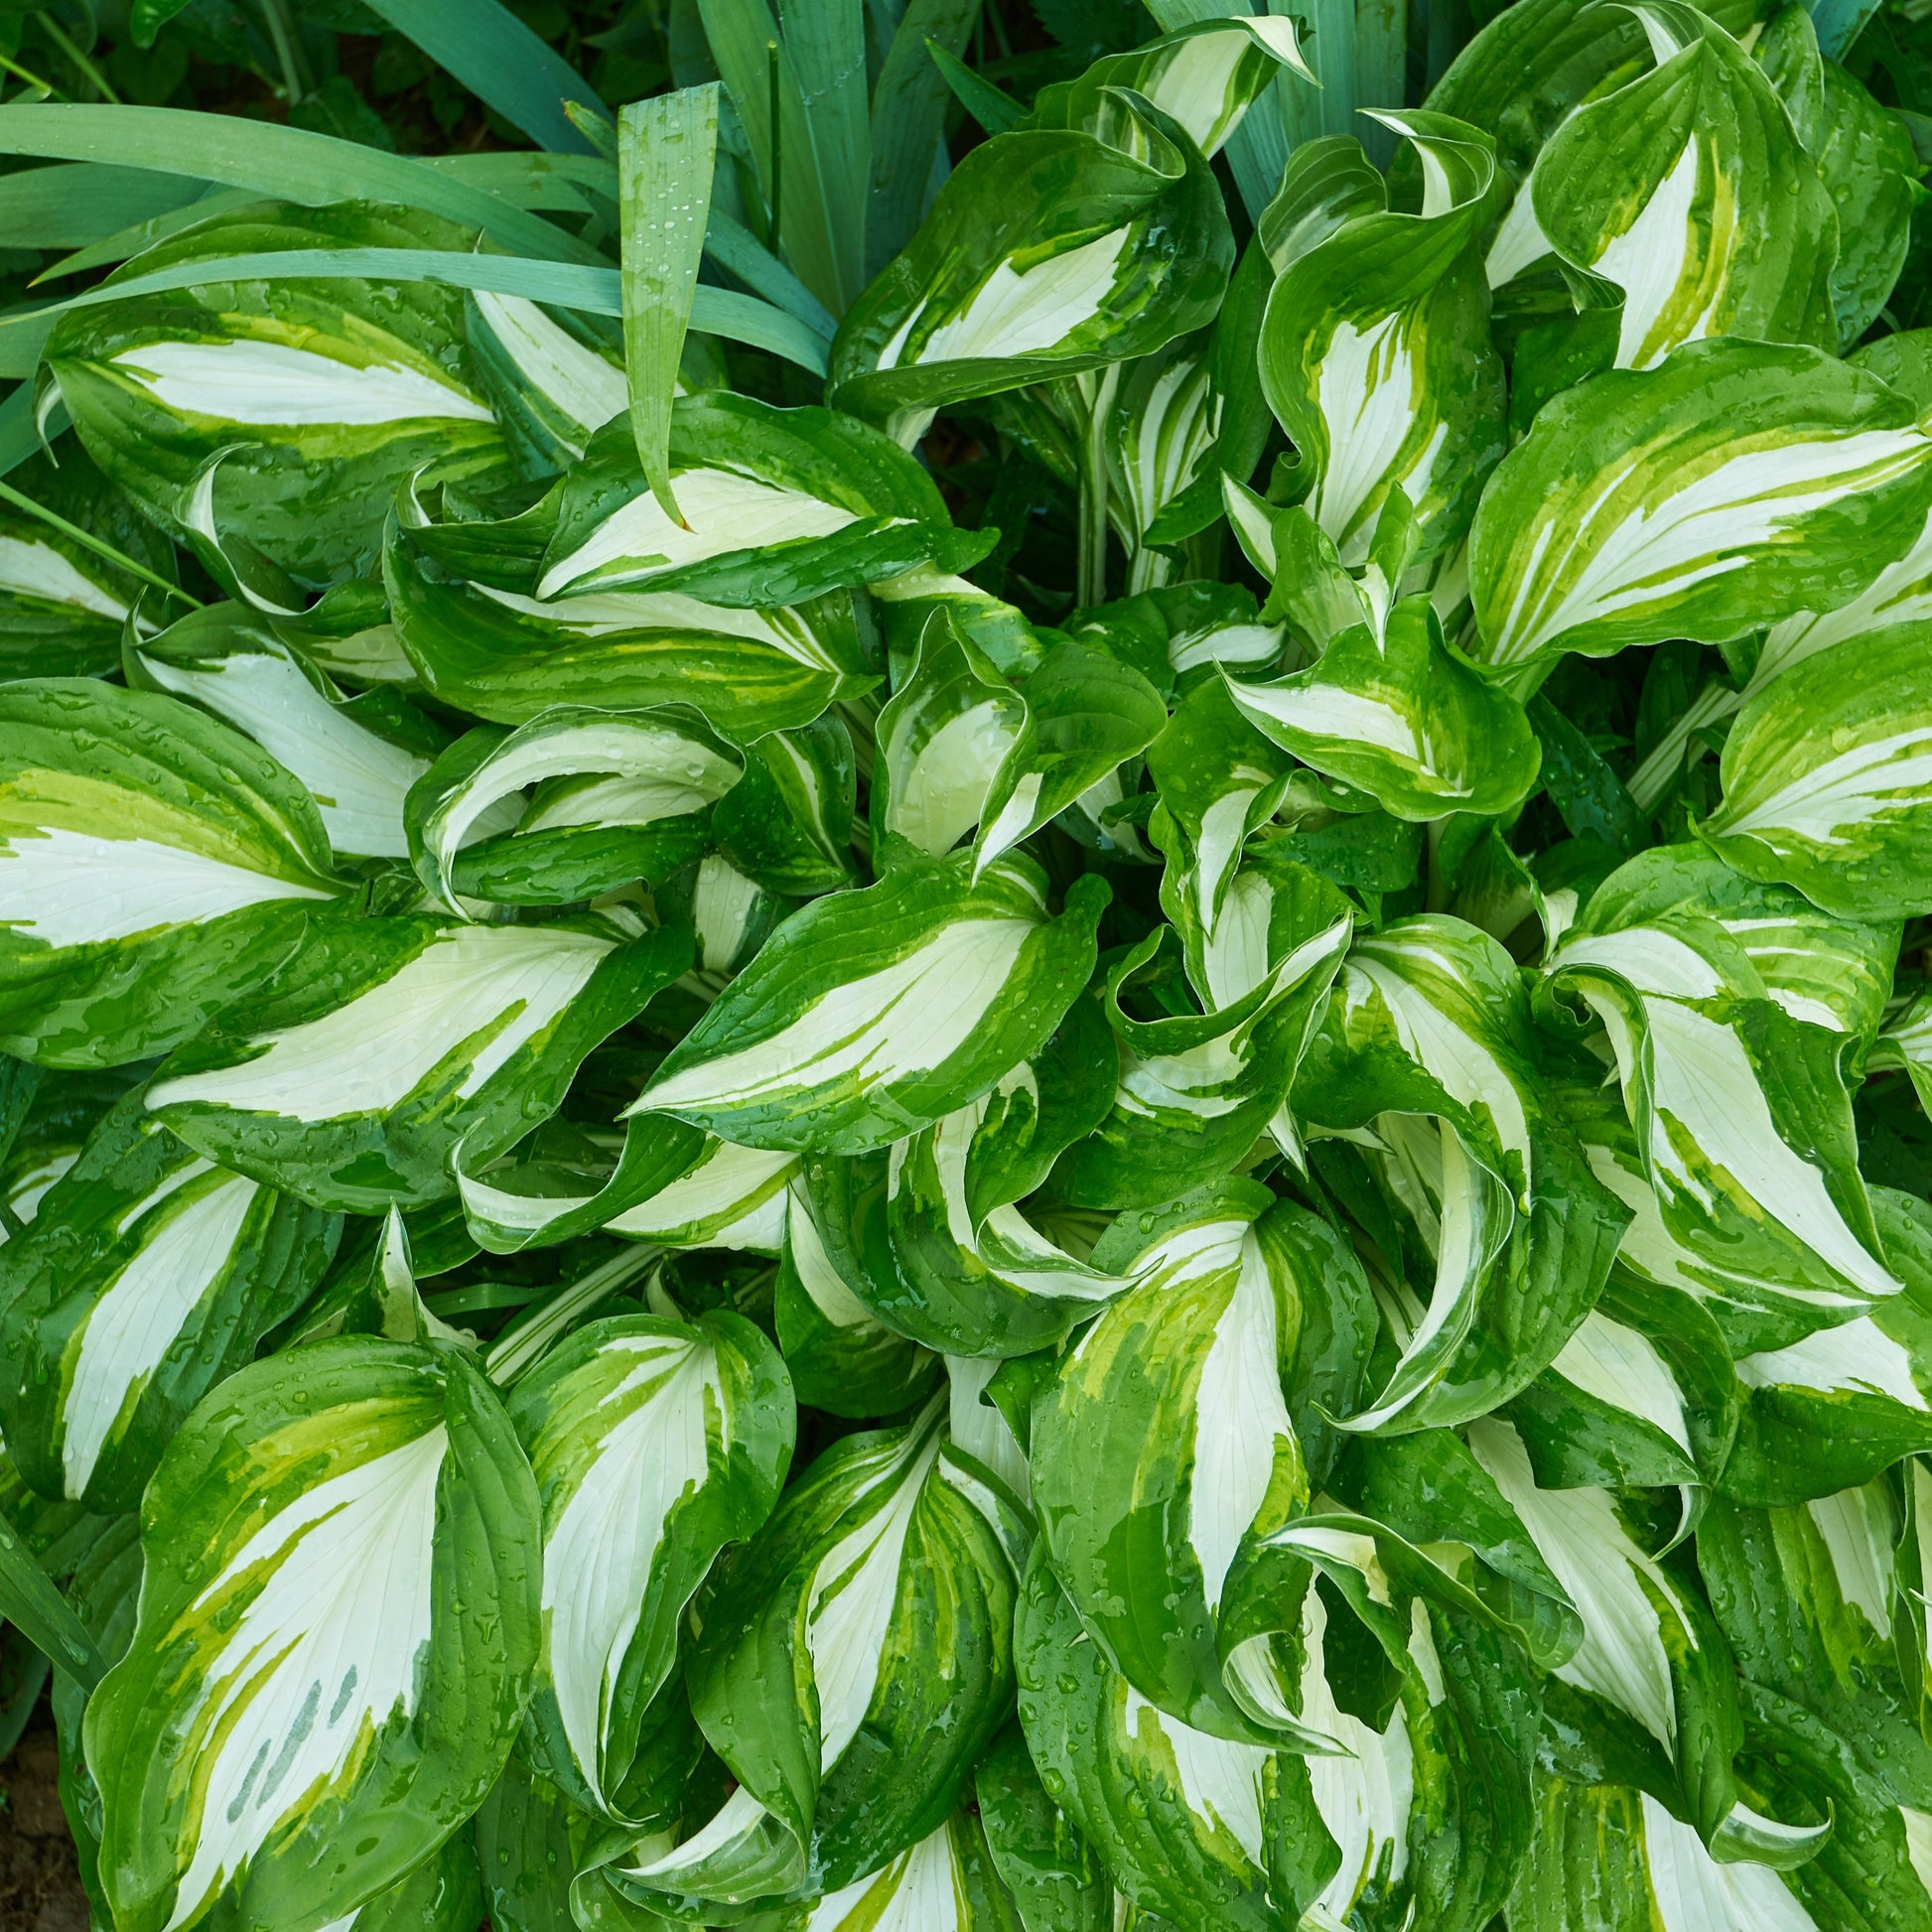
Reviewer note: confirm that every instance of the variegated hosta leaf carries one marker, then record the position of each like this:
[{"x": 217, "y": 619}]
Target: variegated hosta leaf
[
  {"x": 372, "y": 1292},
  {"x": 1167, "y": 420},
  {"x": 510, "y": 656},
  {"x": 841, "y": 1356},
  {"x": 787, "y": 822},
  {"x": 1094, "y": 233},
  {"x": 854, "y": 1660},
  {"x": 339, "y": 1620},
  {"x": 1399, "y": 718},
  {"x": 1822, "y": 1615},
  {"x": 1183, "y": 419},
  {"x": 1863, "y": 156},
  {"x": 1743, "y": 1122},
  {"x": 567, "y": 1179},
  {"x": 1689, "y": 190},
  {"x": 731, "y": 917},
  {"x": 1193, "y": 625},
  {"x": 268, "y": 422},
  {"x": 1376, "y": 354},
  {"x": 781, "y": 505},
  {"x": 1211, "y": 1833},
  {"x": 154, "y": 1274},
  {"x": 1220, "y": 779},
  {"x": 573, "y": 804},
  {"x": 1611, "y": 1859},
  {"x": 1840, "y": 1403},
  {"x": 941, "y": 740},
  {"x": 1901, "y": 593},
  {"x": 553, "y": 379},
  {"x": 357, "y": 758},
  {"x": 1731, "y": 485},
  {"x": 1812, "y": 1598},
  {"x": 1642, "y": 1395},
  {"x": 1754, "y": 1296},
  {"x": 1828, "y": 779},
  {"x": 654, "y": 1444},
  {"x": 1165, "y": 1442},
  {"x": 1206, "y": 75},
  {"x": 52, "y": 1114},
  {"x": 872, "y": 1013},
  {"x": 63, "y": 606},
  {"x": 728, "y": 1197},
  {"x": 1198, "y": 1091},
  {"x": 1528, "y": 66},
  {"x": 1429, "y": 1488},
  {"x": 905, "y": 604},
  {"x": 947, "y": 1883},
  {"x": 972, "y": 1274},
  {"x": 1087, "y": 713},
  {"x": 1649, "y": 1692},
  {"x": 386, "y": 1044},
  {"x": 1501, "y": 1237},
  {"x": 1827, "y": 971},
  {"x": 1055, "y": 1875},
  {"x": 154, "y": 866}
]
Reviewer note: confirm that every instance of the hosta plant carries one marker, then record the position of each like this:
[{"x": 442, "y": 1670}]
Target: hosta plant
[{"x": 980, "y": 992}]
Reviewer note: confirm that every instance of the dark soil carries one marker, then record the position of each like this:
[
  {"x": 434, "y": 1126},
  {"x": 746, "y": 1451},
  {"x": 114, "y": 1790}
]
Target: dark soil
[{"x": 40, "y": 1888}]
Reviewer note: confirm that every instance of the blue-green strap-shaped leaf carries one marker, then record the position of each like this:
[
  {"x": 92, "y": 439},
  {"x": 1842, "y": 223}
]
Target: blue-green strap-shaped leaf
[
  {"x": 665, "y": 149},
  {"x": 338, "y": 1622},
  {"x": 312, "y": 170},
  {"x": 503, "y": 61},
  {"x": 653, "y": 1444}
]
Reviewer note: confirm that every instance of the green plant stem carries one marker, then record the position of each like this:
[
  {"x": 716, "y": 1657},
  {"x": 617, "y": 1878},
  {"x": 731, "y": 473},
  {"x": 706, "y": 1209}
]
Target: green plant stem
[
  {"x": 1096, "y": 395},
  {"x": 67, "y": 44},
  {"x": 21, "y": 74},
  {"x": 278, "y": 32},
  {"x": 100, "y": 548}
]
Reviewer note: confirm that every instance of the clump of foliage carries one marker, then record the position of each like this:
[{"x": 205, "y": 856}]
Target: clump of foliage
[{"x": 1002, "y": 1029}]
